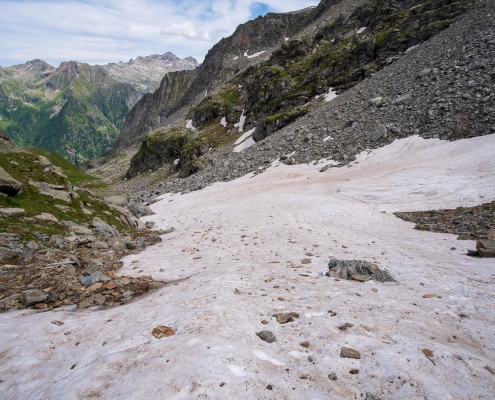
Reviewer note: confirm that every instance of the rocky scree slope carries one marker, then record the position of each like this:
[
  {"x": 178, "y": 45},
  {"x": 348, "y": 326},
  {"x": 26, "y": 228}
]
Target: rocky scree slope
[
  {"x": 443, "y": 89},
  {"x": 278, "y": 91},
  {"x": 227, "y": 58},
  {"x": 76, "y": 110},
  {"x": 59, "y": 242}
]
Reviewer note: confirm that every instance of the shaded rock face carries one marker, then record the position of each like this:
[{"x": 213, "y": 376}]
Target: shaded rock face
[
  {"x": 5, "y": 142},
  {"x": 9, "y": 185},
  {"x": 153, "y": 110},
  {"x": 357, "y": 270}
]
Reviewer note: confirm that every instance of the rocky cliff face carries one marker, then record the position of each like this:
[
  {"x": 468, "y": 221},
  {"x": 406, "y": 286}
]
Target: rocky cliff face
[
  {"x": 335, "y": 55},
  {"x": 154, "y": 109},
  {"x": 250, "y": 43}
]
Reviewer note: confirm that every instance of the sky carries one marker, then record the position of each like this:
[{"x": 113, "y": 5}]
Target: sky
[{"x": 99, "y": 32}]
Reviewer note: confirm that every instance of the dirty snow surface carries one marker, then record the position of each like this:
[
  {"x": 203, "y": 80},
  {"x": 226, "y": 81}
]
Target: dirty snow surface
[{"x": 244, "y": 235}]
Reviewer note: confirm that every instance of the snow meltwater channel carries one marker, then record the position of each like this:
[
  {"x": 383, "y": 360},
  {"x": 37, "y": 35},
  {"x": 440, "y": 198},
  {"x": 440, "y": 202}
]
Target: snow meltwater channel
[{"x": 245, "y": 235}]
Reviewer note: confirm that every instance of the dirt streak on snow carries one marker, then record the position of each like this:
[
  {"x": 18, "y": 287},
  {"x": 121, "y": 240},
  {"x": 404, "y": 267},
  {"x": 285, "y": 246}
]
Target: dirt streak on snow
[{"x": 246, "y": 232}]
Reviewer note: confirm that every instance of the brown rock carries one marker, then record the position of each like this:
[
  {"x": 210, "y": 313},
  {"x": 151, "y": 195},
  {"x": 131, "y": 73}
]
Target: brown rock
[
  {"x": 88, "y": 301},
  {"x": 265, "y": 322},
  {"x": 427, "y": 352},
  {"x": 354, "y": 371},
  {"x": 361, "y": 278},
  {"x": 111, "y": 285},
  {"x": 283, "y": 318},
  {"x": 162, "y": 331},
  {"x": 304, "y": 344},
  {"x": 429, "y": 296},
  {"x": 347, "y": 352}
]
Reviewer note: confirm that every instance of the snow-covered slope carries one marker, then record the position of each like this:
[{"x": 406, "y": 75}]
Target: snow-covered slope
[{"x": 244, "y": 235}]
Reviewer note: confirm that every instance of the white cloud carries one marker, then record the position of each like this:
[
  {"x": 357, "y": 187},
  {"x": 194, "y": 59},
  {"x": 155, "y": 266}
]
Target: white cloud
[
  {"x": 101, "y": 31},
  {"x": 189, "y": 31}
]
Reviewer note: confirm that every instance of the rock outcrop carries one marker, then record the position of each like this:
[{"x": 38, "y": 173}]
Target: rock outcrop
[
  {"x": 5, "y": 142},
  {"x": 9, "y": 185}
]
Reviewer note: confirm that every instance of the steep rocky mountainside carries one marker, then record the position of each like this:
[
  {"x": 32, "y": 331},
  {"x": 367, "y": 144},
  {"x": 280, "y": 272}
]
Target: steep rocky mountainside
[
  {"x": 146, "y": 73},
  {"x": 76, "y": 110},
  {"x": 350, "y": 42},
  {"x": 441, "y": 89},
  {"x": 250, "y": 43}
]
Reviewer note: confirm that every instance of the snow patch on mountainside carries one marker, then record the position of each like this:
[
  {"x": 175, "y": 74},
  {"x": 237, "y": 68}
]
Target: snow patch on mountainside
[{"x": 229, "y": 265}]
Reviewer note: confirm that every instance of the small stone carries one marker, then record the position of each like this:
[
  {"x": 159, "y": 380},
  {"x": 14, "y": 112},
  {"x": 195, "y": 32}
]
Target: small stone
[
  {"x": 374, "y": 290},
  {"x": 40, "y": 305},
  {"x": 283, "y": 318},
  {"x": 332, "y": 376},
  {"x": 237, "y": 291},
  {"x": 281, "y": 299},
  {"x": 162, "y": 331},
  {"x": 354, "y": 371},
  {"x": 127, "y": 294},
  {"x": 32, "y": 297},
  {"x": 429, "y": 296},
  {"x": 303, "y": 377},
  {"x": 269, "y": 387},
  {"x": 58, "y": 323},
  {"x": 99, "y": 298},
  {"x": 361, "y": 278},
  {"x": 12, "y": 212},
  {"x": 347, "y": 352},
  {"x": 427, "y": 352},
  {"x": 86, "y": 303},
  {"x": 93, "y": 278},
  {"x": 304, "y": 344},
  {"x": 264, "y": 322},
  {"x": 306, "y": 261},
  {"x": 124, "y": 282},
  {"x": 111, "y": 285},
  {"x": 94, "y": 286},
  {"x": 266, "y": 336}
]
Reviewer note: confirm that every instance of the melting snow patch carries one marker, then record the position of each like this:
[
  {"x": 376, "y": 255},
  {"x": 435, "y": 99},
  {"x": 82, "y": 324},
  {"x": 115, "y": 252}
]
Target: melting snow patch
[
  {"x": 240, "y": 124},
  {"x": 176, "y": 161},
  {"x": 286, "y": 39},
  {"x": 236, "y": 57},
  {"x": 223, "y": 122},
  {"x": 236, "y": 370},
  {"x": 259, "y": 53},
  {"x": 263, "y": 356},
  {"x": 411, "y": 48},
  {"x": 245, "y": 145},
  {"x": 190, "y": 126},
  {"x": 314, "y": 314},
  {"x": 361, "y": 30},
  {"x": 331, "y": 95},
  {"x": 245, "y": 136},
  {"x": 327, "y": 138}
]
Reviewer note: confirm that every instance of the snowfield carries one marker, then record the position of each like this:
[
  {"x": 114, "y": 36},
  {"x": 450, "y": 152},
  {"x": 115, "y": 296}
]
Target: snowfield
[{"x": 245, "y": 235}]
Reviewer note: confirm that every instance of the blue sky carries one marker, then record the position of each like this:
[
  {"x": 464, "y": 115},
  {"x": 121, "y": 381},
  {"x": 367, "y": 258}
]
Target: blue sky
[{"x": 98, "y": 32}]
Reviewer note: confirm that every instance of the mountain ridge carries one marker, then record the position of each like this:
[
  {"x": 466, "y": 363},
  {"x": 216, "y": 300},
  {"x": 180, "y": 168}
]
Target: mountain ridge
[{"x": 76, "y": 110}]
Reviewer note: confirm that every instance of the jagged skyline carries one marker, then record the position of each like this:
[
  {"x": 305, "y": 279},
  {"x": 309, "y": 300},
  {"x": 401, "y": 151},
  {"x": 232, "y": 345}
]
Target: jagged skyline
[{"x": 100, "y": 32}]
